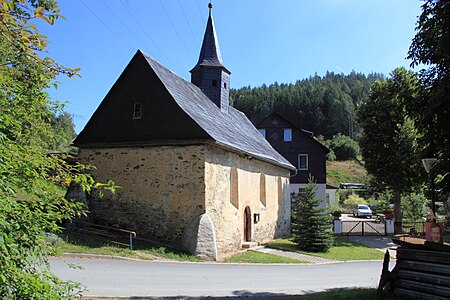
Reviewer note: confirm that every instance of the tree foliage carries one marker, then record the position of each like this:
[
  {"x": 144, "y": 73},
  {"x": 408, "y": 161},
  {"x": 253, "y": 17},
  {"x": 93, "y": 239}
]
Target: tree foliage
[
  {"x": 354, "y": 200},
  {"x": 325, "y": 105},
  {"x": 416, "y": 206},
  {"x": 343, "y": 147},
  {"x": 389, "y": 143},
  {"x": 431, "y": 48},
  {"x": 31, "y": 203},
  {"x": 63, "y": 131},
  {"x": 311, "y": 226}
]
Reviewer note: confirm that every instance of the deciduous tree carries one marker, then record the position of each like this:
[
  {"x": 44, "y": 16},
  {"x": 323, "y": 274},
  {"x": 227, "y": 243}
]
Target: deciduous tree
[
  {"x": 30, "y": 204},
  {"x": 431, "y": 48},
  {"x": 343, "y": 147},
  {"x": 389, "y": 143}
]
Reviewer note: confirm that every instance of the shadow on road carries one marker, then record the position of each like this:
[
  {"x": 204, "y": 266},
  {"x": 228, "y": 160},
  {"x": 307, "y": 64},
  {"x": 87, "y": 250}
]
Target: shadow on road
[{"x": 350, "y": 293}]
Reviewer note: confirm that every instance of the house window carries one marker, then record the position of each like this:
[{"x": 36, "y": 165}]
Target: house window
[
  {"x": 287, "y": 134},
  {"x": 303, "y": 161},
  {"x": 262, "y": 132},
  {"x": 214, "y": 82},
  {"x": 137, "y": 112}
]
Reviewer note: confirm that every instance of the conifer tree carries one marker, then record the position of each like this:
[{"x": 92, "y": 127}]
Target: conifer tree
[{"x": 310, "y": 225}]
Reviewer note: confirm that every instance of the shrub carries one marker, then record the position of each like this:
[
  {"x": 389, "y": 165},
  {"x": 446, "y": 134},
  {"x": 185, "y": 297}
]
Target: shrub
[
  {"x": 415, "y": 206},
  {"x": 343, "y": 147},
  {"x": 331, "y": 156},
  {"x": 335, "y": 210},
  {"x": 352, "y": 201}
]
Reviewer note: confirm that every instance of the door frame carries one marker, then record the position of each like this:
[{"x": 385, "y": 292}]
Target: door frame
[{"x": 247, "y": 224}]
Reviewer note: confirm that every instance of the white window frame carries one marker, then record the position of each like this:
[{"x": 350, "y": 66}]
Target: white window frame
[
  {"x": 287, "y": 135},
  {"x": 262, "y": 131},
  {"x": 307, "y": 162}
]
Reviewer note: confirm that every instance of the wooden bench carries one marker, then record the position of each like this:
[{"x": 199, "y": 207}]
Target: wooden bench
[{"x": 422, "y": 270}]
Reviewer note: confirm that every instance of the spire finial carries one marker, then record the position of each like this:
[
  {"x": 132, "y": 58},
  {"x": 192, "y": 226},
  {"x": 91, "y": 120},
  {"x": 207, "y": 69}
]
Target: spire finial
[{"x": 210, "y": 7}]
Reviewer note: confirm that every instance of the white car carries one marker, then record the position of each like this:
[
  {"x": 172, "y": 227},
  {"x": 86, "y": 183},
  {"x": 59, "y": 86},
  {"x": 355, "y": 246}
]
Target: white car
[{"x": 362, "y": 210}]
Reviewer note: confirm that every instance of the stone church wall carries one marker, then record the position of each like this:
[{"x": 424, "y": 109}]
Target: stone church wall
[
  {"x": 193, "y": 196},
  {"x": 162, "y": 188},
  {"x": 227, "y": 213}
]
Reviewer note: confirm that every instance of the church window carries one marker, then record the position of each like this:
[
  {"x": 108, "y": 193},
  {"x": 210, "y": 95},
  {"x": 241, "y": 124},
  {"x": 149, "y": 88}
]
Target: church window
[
  {"x": 262, "y": 188},
  {"x": 137, "y": 112},
  {"x": 234, "y": 187},
  {"x": 280, "y": 191},
  {"x": 214, "y": 82}
]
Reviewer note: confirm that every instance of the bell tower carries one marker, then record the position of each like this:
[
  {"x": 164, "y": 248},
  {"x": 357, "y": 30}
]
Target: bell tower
[{"x": 209, "y": 74}]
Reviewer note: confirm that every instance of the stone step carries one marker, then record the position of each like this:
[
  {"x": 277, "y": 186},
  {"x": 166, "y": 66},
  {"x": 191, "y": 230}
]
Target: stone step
[{"x": 248, "y": 245}]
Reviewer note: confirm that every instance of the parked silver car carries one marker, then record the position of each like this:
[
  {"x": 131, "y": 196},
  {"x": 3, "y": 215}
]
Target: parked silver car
[{"x": 362, "y": 210}]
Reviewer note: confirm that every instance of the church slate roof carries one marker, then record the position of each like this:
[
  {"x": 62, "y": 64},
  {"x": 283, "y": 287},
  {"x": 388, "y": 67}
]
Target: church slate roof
[
  {"x": 210, "y": 52},
  {"x": 231, "y": 129},
  {"x": 228, "y": 129}
]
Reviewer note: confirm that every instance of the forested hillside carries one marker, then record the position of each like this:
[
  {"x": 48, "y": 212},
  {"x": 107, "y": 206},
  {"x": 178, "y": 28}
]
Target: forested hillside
[{"x": 324, "y": 105}]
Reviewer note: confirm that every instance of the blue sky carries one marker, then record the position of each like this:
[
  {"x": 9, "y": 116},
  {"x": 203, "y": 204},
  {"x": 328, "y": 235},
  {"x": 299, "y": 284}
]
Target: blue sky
[{"x": 262, "y": 41}]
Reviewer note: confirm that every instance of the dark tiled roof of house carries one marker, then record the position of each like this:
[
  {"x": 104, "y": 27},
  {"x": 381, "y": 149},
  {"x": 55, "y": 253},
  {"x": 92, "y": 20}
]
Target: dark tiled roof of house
[
  {"x": 230, "y": 129},
  {"x": 306, "y": 133}
]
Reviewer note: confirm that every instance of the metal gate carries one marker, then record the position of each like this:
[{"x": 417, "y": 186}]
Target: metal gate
[{"x": 363, "y": 228}]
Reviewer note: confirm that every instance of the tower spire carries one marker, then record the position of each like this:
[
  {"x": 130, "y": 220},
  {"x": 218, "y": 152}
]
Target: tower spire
[
  {"x": 210, "y": 51},
  {"x": 209, "y": 74}
]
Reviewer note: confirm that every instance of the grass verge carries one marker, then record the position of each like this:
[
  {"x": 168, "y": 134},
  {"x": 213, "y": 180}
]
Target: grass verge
[
  {"x": 343, "y": 250},
  {"x": 78, "y": 243},
  {"x": 254, "y": 257}
]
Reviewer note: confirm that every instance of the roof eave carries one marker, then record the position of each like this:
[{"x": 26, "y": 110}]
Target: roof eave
[
  {"x": 254, "y": 155},
  {"x": 150, "y": 143},
  {"x": 202, "y": 65}
]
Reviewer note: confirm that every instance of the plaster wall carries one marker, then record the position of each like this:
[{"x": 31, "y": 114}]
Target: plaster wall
[
  {"x": 320, "y": 194},
  {"x": 332, "y": 197},
  {"x": 228, "y": 215}
]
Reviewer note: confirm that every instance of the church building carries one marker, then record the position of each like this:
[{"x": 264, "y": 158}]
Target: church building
[{"x": 193, "y": 171}]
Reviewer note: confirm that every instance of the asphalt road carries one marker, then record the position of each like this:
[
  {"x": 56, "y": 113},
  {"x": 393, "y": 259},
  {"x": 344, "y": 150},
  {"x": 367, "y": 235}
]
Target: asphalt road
[
  {"x": 104, "y": 277},
  {"x": 350, "y": 217}
]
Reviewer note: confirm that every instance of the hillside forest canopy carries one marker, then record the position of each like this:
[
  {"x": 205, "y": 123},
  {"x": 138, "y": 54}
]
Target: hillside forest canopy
[{"x": 326, "y": 105}]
